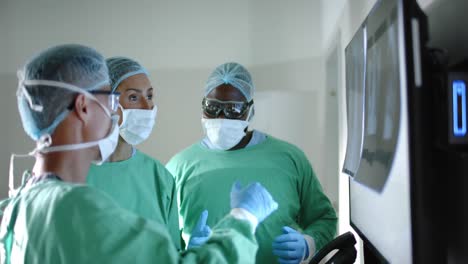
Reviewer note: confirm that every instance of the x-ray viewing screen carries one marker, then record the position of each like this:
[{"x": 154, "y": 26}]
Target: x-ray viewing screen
[
  {"x": 382, "y": 103},
  {"x": 379, "y": 191},
  {"x": 372, "y": 102},
  {"x": 355, "y": 77}
]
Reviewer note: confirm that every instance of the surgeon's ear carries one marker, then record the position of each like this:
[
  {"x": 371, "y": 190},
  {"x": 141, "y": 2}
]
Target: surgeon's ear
[{"x": 81, "y": 108}]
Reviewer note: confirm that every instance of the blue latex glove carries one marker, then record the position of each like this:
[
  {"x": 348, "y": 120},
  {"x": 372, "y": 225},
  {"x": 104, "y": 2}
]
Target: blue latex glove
[
  {"x": 253, "y": 198},
  {"x": 290, "y": 247},
  {"x": 201, "y": 232}
]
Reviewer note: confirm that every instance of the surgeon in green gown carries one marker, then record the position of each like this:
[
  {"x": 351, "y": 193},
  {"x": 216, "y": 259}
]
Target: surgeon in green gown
[
  {"x": 305, "y": 220},
  {"x": 67, "y": 107},
  {"x": 136, "y": 181}
]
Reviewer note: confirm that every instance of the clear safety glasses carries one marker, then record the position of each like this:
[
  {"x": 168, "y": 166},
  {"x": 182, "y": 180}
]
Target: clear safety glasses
[
  {"x": 113, "y": 99},
  {"x": 113, "y": 102},
  {"x": 212, "y": 108}
]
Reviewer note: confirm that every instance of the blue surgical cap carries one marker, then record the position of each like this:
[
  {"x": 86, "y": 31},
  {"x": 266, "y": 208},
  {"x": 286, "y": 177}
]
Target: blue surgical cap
[
  {"x": 120, "y": 68},
  {"x": 73, "y": 64},
  {"x": 234, "y": 74}
]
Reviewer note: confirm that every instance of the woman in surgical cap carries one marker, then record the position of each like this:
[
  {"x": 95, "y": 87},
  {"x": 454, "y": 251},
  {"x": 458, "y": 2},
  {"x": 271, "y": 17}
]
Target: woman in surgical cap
[
  {"x": 67, "y": 106},
  {"x": 136, "y": 181}
]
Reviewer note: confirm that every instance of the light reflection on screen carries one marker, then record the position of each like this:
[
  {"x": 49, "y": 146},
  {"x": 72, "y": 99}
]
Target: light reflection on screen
[{"x": 382, "y": 93}]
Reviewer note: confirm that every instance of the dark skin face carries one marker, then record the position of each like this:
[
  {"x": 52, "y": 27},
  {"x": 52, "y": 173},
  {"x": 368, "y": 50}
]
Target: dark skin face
[{"x": 227, "y": 92}]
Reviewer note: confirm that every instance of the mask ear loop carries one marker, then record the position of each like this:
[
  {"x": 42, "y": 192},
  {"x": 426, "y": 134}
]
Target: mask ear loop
[
  {"x": 11, "y": 181},
  {"x": 22, "y": 91},
  {"x": 44, "y": 142},
  {"x": 68, "y": 87},
  {"x": 34, "y": 107}
]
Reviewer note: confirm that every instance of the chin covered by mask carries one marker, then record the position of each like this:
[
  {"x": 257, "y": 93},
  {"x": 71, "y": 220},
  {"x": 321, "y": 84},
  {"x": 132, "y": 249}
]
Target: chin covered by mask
[
  {"x": 224, "y": 134},
  {"x": 137, "y": 124},
  {"x": 108, "y": 144}
]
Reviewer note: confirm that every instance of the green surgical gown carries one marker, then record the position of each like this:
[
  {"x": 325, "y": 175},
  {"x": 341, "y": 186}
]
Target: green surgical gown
[
  {"x": 141, "y": 185},
  {"x": 59, "y": 222},
  {"x": 204, "y": 176}
]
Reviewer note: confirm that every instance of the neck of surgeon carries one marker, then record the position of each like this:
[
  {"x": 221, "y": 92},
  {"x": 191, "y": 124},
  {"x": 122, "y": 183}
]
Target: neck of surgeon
[
  {"x": 70, "y": 165},
  {"x": 122, "y": 152}
]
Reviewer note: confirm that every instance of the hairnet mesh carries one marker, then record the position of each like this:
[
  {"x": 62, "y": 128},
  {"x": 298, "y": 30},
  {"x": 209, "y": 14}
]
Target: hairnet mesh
[
  {"x": 234, "y": 74},
  {"x": 120, "y": 68},
  {"x": 77, "y": 65}
]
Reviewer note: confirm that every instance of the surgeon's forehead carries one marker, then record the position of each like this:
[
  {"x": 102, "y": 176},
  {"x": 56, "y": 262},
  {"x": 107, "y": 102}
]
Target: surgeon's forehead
[{"x": 226, "y": 92}]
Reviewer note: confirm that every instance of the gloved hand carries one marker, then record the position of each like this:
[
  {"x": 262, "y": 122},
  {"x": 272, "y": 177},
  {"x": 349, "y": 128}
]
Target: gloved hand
[
  {"x": 290, "y": 247},
  {"x": 253, "y": 198},
  {"x": 201, "y": 232}
]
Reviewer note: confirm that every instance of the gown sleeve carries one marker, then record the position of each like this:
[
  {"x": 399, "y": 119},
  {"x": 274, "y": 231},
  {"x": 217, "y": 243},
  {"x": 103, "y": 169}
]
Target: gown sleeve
[
  {"x": 317, "y": 216},
  {"x": 91, "y": 228}
]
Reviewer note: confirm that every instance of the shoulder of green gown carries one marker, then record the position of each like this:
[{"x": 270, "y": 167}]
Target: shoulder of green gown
[
  {"x": 185, "y": 154},
  {"x": 194, "y": 152},
  {"x": 147, "y": 158},
  {"x": 66, "y": 194},
  {"x": 161, "y": 170},
  {"x": 273, "y": 142},
  {"x": 85, "y": 197},
  {"x": 286, "y": 149}
]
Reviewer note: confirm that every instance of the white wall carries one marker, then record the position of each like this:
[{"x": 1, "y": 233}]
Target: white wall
[
  {"x": 160, "y": 34},
  {"x": 285, "y": 31}
]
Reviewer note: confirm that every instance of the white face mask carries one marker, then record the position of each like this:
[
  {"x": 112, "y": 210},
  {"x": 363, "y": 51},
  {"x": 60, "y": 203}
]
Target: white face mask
[
  {"x": 106, "y": 145},
  {"x": 224, "y": 134},
  {"x": 137, "y": 124}
]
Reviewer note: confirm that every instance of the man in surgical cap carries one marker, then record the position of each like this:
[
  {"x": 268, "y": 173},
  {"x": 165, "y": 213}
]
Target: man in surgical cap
[
  {"x": 67, "y": 107},
  {"x": 305, "y": 220}
]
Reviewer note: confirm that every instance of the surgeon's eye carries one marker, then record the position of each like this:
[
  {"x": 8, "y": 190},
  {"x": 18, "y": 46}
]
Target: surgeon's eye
[{"x": 133, "y": 98}]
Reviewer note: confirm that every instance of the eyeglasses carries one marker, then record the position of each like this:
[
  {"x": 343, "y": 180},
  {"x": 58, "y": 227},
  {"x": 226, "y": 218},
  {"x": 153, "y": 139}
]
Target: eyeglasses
[
  {"x": 113, "y": 99},
  {"x": 212, "y": 108}
]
